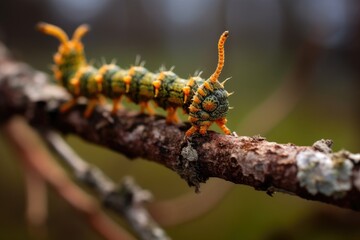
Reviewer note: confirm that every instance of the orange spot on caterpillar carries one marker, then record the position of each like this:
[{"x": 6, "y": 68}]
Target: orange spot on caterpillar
[
  {"x": 193, "y": 109},
  {"x": 186, "y": 91},
  {"x": 132, "y": 71},
  {"x": 187, "y": 88},
  {"x": 196, "y": 99},
  {"x": 191, "y": 82},
  {"x": 75, "y": 82},
  {"x": 99, "y": 78},
  {"x": 193, "y": 119},
  {"x": 128, "y": 78},
  {"x": 209, "y": 106},
  {"x": 208, "y": 86},
  {"x": 201, "y": 92},
  {"x": 58, "y": 58},
  {"x": 156, "y": 84},
  {"x": 161, "y": 76},
  {"x": 127, "y": 81}
]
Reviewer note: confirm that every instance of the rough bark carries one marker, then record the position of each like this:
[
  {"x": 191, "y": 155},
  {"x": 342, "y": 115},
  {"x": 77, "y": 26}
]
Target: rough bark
[{"x": 311, "y": 172}]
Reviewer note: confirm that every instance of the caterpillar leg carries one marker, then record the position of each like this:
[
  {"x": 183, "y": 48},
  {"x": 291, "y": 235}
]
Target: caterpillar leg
[
  {"x": 204, "y": 127},
  {"x": 171, "y": 115},
  {"x": 191, "y": 131},
  {"x": 221, "y": 123},
  {"x": 116, "y": 105},
  {"x": 57, "y": 74},
  {"x": 66, "y": 106},
  {"x": 90, "y": 107},
  {"x": 201, "y": 129},
  {"x": 102, "y": 100},
  {"x": 145, "y": 106}
]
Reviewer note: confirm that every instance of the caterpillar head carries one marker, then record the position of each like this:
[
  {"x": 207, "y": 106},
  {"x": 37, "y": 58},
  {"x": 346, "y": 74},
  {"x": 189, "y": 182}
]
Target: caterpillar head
[
  {"x": 70, "y": 50},
  {"x": 210, "y": 103}
]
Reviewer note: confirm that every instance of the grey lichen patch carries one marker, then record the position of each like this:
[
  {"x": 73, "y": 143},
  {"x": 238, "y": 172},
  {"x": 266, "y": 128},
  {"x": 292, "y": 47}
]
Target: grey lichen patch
[
  {"x": 322, "y": 173},
  {"x": 323, "y": 145},
  {"x": 357, "y": 180},
  {"x": 189, "y": 153},
  {"x": 354, "y": 157},
  {"x": 188, "y": 167},
  {"x": 251, "y": 166},
  {"x": 135, "y": 133},
  {"x": 258, "y": 137}
]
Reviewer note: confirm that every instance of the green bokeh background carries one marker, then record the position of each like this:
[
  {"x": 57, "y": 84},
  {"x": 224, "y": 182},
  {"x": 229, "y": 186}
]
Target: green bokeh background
[{"x": 329, "y": 109}]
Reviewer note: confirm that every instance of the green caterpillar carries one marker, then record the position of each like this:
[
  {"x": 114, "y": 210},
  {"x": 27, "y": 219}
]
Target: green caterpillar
[{"x": 205, "y": 100}]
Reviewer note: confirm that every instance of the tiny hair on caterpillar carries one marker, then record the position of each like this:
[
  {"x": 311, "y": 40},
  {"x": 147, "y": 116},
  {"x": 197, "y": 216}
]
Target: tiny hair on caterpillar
[{"x": 204, "y": 100}]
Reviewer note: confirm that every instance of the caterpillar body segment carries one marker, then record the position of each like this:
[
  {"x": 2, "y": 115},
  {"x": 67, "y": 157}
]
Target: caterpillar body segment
[
  {"x": 140, "y": 89},
  {"x": 204, "y": 100}
]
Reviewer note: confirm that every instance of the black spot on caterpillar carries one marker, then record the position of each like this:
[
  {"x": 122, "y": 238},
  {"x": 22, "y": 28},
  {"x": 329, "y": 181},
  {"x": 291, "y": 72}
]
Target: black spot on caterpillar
[{"x": 205, "y": 100}]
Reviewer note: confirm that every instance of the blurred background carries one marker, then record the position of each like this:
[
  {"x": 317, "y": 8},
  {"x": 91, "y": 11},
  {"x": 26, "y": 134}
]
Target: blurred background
[{"x": 295, "y": 68}]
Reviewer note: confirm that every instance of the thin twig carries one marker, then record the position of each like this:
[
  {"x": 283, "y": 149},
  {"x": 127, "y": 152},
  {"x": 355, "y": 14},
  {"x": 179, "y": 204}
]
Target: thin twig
[
  {"x": 36, "y": 199},
  {"x": 28, "y": 149},
  {"x": 127, "y": 200}
]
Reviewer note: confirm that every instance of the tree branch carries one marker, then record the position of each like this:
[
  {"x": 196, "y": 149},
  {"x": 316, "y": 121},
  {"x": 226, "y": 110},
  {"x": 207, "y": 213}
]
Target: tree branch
[
  {"x": 311, "y": 172},
  {"x": 29, "y": 150},
  {"x": 126, "y": 200}
]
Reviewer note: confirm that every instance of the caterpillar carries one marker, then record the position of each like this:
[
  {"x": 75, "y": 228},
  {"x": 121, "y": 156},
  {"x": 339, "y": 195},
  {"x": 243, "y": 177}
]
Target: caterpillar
[{"x": 204, "y": 100}]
